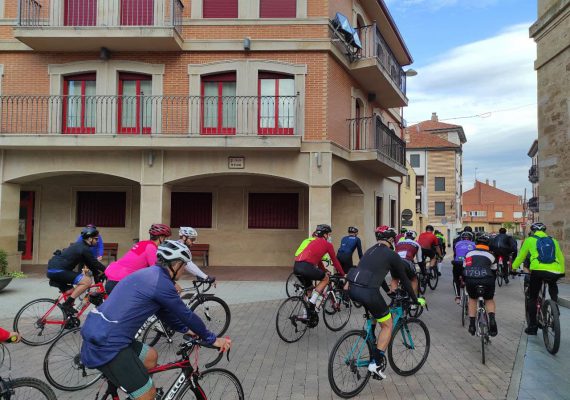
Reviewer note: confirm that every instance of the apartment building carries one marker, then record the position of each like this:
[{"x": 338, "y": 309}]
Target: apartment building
[
  {"x": 434, "y": 150},
  {"x": 252, "y": 121},
  {"x": 487, "y": 208},
  {"x": 413, "y": 215},
  {"x": 533, "y": 203}
]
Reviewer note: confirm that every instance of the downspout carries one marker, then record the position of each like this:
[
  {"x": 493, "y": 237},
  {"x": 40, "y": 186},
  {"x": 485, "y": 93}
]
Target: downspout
[{"x": 399, "y": 205}]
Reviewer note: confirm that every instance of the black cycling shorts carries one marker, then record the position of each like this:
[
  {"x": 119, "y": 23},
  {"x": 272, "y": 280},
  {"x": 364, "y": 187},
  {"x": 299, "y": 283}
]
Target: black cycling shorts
[
  {"x": 307, "y": 273},
  {"x": 428, "y": 253},
  {"x": 65, "y": 276},
  {"x": 410, "y": 269},
  {"x": 371, "y": 299},
  {"x": 488, "y": 283},
  {"x": 127, "y": 370},
  {"x": 346, "y": 261}
]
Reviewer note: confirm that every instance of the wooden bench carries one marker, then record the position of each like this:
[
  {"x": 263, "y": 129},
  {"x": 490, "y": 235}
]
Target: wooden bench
[
  {"x": 110, "y": 250},
  {"x": 201, "y": 250}
]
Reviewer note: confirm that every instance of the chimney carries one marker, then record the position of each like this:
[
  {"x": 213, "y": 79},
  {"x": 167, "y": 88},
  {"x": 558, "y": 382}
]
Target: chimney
[
  {"x": 434, "y": 116},
  {"x": 494, "y": 183},
  {"x": 486, "y": 181}
]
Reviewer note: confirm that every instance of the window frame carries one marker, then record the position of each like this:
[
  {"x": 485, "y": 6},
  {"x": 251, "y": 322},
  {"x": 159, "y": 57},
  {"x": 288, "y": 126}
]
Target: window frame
[
  {"x": 436, "y": 180},
  {"x": 292, "y": 196},
  {"x": 220, "y": 79},
  {"x": 217, "y": 16},
  {"x": 80, "y": 18},
  {"x": 499, "y": 216},
  {"x": 127, "y": 20},
  {"x": 275, "y": 130},
  {"x": 413, "y": 156},
  {"x": 83, "y": 221},
  {"x": 436, "y": 203},
  {"x": 519, "y": 213},
  {"x": 278, "y": 16},
  {"x": 175, "y": 224},
  {"x": 138, "y": 78},
  {"x": 82, "y": 77}
]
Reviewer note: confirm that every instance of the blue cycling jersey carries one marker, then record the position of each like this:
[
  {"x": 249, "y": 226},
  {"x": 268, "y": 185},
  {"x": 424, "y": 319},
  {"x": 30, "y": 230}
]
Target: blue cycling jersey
[
  {"x": 350, "y": 243},
  {"x": 113, "y": 325}
]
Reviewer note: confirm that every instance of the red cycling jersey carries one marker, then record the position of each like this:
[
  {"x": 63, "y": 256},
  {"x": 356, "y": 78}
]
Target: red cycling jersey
[
  {"x": 427, "y": 240},
  {"x": 4, "y": 335},
  {"x": 315, "y": 251},
  {"x": 407, "y": 249}
]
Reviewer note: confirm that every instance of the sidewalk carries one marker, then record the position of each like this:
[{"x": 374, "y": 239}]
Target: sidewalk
[{"x": 564, "y": 294}]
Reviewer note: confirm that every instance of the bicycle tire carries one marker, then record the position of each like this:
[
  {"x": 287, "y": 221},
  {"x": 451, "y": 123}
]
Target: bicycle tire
[
  {"x": 464, "y": 309},
  {"x": 422, "y": 283},
  {"x": 551, "y": 319},
  {"x": 28, "y": 326},
  {"x": 402, "y": 328},
  {"x": 433, "y": 276},
  {"x": 416, "y": 312},
  {"x": 293, "y": 286},
  {"x": 336, "y": 315},
  {"x": 19, "y": 385},
  {"x": 66, "y": 351},
  {"x": 363, "y": 376},
  {"x": 214, "y": 390},
  {"x": 290, "y": 318},
  {"x": 483, "y": 332},
  {"x": 165, "y": 341},
  {"x": 499, "y": 278},
  {"x": 211, "y": 313}
]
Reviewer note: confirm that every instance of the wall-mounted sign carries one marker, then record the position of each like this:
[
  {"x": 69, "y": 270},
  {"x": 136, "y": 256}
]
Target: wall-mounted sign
[
  {"x": 236, "y": 162},
  {"x": 407, "y": 214},
  {"x": 407, "y": 222}
]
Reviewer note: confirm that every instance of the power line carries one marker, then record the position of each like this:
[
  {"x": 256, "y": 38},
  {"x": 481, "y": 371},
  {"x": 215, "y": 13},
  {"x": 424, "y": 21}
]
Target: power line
[{"x": 486, "y": 114}]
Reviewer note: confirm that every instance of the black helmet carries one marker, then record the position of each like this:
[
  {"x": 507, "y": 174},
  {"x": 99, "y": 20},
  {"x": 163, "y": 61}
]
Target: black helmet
[
  {"x": 352, "y": 229},
  {"x": 429, "y": 228},
  {"x": 467, "y": 229},
  {"x": 89, "y": 232},
  {"x": 322, "y": 229},
  {"x": 384, "y": 233},
  {"x": 467, "y": 236},
  {"x": 538, "y": 226},
  {"x": 483, "y": 239},
  {"x": 403, "y": 230}
]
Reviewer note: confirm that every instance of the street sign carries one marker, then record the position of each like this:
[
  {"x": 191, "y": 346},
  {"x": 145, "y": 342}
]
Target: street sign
[
  {"x": 407, "y": 214},
  {"x": 407, "y": 223}
]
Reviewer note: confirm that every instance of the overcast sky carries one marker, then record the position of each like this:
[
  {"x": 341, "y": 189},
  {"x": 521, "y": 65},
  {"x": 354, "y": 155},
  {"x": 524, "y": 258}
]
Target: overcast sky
[{"x": 475, "y": 59}]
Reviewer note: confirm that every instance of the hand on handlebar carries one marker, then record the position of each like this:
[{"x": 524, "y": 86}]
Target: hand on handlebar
[
  {"x": 14, "y": 337},
  {"x": 224, "y": 344},
  {"x": 421, "y": 302}
]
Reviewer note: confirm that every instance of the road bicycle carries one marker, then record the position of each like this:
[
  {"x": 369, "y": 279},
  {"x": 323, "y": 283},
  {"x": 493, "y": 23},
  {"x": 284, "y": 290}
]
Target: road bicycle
[
  {"x": 482, "y": 321},
  {"x": 295, "y": 315},
  {"x": 408, "y": 349},
  {"x": 464, "y": 304},
  {"x": 430, "y": 277},
  {"x": 294, "y": 286},
  {"x": 42, "y": 321},
  {"x": 21, "y": 388},
  {"x": 503, "y": 269}
]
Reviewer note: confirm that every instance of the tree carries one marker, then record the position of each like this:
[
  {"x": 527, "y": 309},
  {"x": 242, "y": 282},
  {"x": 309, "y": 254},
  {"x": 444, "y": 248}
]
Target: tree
[{"x": 508, "y": 226}]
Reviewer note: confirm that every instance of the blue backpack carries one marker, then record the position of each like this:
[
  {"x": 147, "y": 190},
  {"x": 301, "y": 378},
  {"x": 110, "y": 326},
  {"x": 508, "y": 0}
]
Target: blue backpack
[
  {"x": 462, "y": 248},
  {"x": 546, "y": 249}
]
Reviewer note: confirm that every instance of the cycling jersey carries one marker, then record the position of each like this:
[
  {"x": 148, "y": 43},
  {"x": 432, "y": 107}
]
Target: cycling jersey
[
  {"x": 427, "y": 240},
  {"x": 314, "y": 252},
  {"x": 304, "y": 244},
  {"x": 4, "y": 335},
  {"x": 350, "y": 243},
  {"x": 478, "y": 264},
  {"x": 113, "y": 325},
  {"x": 194, "y": 270},
  {"x": 96, "y": 250},
  {"x": 141, "y": 255},
  {"x": 529, "y": 248},
  {"x": 504, "y": 244},
  {"x": 409, "y": 249},
  {"x": 461, "y": 249},
  {"x": 77, "y": 253}
]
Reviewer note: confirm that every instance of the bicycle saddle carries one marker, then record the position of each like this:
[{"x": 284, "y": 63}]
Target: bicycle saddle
[{"x": 63, "y": 287}]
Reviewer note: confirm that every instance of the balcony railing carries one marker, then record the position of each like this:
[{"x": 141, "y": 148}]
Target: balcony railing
[
  {"x": 533, "y": 204},
  {"x": 100, "y": 13},
  {"x": 189, "y": 115},
  {"x": 533, "y": 174},
  {"x": 370, "y": 133}
]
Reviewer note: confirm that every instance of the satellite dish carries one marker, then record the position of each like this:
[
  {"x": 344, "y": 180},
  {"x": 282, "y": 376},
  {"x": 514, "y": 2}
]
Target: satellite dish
[{"x": 341, "y": 23}]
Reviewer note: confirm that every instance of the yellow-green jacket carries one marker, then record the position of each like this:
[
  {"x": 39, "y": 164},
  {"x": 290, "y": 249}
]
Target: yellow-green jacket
[
  {"x": 304, "y": 244},
  {"x": 529, "y": 247}
]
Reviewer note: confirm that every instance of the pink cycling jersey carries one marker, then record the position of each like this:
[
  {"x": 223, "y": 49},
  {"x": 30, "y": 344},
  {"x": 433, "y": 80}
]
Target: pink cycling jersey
[{"x": 141, "y": 255}]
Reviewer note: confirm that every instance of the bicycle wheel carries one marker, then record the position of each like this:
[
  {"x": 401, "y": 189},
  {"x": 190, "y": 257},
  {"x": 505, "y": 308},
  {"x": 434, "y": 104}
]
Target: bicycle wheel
[
  {"x": 433, "y": 278},
  {"x": 30, "y": 389},
  {"x": 292, "y": 320},
  {"x": 293, "y": 286},
  {"x": 483, "y": 349},
  {"x": 37, "y": 325},
  {"x": 348, "y": 364},
  {"x": 214, "y": 312},
  {"x": 500, "y": 278},
  {"x": 336, "y": 310},
  {"x": 214, "y": 384},
  {"x": 409, "y": 347},
  {"x": 551, "y": 326},
  {"x": 422, "y": 281},
  {"x": 464, "y": 305},
  {"x": 63, "y": 367},
  {"x": 165, "y": 341},
  {"x": 483, "y": 324}
]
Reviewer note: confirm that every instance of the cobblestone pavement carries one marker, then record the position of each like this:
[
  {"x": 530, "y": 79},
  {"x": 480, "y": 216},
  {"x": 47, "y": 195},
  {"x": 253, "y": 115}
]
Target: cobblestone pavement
[{"x": 271, "y": 369}]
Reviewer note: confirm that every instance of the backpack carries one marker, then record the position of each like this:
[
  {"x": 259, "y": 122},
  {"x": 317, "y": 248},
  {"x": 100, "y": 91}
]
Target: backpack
[
  {"x": 462, "y": 248},
  {"x": 546, "y": 249}
]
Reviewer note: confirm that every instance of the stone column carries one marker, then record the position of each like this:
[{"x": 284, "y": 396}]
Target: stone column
[
  {"x": 9, "y": 221},
  {"x": 155, "y": 196},
  {"x": 320, "y": 201}
]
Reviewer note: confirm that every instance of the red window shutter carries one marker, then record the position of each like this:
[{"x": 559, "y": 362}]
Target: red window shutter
[
  {"x": 220, "y": 9},
  {"x": 273, "y": 211},
  {"x": 137, "y": 12},
  {"x": 278, "y": 8},
  {"x": 80, "y": 13},
  {"x": 103, "y": 209},
  {"x": 191, "y": 209}
]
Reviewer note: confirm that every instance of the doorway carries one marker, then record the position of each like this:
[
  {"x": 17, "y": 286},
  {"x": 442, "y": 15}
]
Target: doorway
[{"x": 26, "y": 224}]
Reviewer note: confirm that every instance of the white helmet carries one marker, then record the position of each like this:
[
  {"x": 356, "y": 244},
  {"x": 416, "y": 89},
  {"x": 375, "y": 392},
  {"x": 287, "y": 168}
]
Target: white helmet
[
  {"x": 172, "y": 250},
  {"x": 188, "y": 232}
]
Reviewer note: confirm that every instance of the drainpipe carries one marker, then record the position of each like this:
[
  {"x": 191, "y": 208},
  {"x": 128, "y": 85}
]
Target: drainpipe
[{"x": 399, "y": 206}]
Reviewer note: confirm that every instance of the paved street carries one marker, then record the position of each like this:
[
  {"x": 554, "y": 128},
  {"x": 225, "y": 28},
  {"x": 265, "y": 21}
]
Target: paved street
[{"x": 271, "y": 369}]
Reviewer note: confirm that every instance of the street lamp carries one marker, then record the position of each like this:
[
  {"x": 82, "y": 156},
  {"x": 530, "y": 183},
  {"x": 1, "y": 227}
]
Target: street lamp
[{"x": 410, "y": 72}]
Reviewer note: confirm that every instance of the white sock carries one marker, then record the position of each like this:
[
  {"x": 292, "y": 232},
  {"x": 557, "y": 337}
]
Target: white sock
[{"x": 314, "y": 297}]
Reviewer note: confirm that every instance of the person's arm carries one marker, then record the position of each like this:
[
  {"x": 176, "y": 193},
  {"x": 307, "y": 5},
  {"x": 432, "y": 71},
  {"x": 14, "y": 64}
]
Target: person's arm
[
  {"x": 91, "y": 262},
  {"x": 336, "y": 262},
  {"x": 150, "y": 254},
  {"x": 359, "y": 247},
  {"x": 4, "y": 335},
  {"x": 419, "y": 254},
  {"x": 559, "y": 255},
  {"x": 398, "y": 270},
  {"x": 100, "y": 247},
  {"x": 194, "y": 270},
  {"x": 437, "y": 246},
  {"x": 522, "y": 254}
]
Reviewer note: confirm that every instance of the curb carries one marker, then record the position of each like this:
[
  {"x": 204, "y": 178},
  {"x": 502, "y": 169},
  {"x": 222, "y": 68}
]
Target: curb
[
  {"x": 516, "y": 377},
  {"x": 564, "y": 302}
]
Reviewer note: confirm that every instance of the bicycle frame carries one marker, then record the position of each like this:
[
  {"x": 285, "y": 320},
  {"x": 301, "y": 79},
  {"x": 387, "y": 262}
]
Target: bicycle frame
[{"x": 481, "y": 317}]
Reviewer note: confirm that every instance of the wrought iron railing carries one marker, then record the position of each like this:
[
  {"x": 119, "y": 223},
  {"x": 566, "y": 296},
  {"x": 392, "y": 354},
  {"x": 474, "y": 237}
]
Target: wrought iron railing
[
  {"x": 190, "y": 115},
  {"x": 104, "y": 13},
  {"x": 533, "y": 174},
  {"x": 533, "y": 204}
]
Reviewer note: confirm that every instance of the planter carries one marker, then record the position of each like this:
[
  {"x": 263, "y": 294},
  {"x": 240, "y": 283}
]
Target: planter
[{"x": 4, "y": 281}]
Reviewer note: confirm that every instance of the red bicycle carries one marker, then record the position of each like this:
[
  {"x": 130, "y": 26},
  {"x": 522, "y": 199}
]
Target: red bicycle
[{"x": 42, "y": 321}]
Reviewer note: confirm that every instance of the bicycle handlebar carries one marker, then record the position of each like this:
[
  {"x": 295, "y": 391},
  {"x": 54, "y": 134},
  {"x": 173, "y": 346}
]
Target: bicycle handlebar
[{"x": 190, "y": 342}]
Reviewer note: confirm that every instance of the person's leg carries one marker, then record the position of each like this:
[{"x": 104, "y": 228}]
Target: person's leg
[
  {"x": 490, "y": 306},
  {"x": 535, "y": 285},
  {"x": 457, "y": 271},
  {"x": 471, "y": 306},
  {"x": 82, "y": 286}
]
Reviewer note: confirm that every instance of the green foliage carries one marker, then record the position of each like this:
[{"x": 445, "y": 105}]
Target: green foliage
[{"x": 4, "y": 267}]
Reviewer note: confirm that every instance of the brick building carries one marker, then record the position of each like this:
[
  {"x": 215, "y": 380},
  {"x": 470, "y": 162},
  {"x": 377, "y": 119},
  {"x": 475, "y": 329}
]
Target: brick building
[
  {"x": 487, "y": 208},
  {"x": 252, "y": 121}
]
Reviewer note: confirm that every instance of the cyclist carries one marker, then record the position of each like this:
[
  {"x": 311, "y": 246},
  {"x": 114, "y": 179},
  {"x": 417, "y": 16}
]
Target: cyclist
[
  {"x": 365, "y": 282},
  {"x": 430, "y": 246},
  {"x": 460, "y": 250},
  {"x": 61, "y": 266},
  {"x": 441, "y": 245},
  {"x": 546, "y": 264},
  {"x": 411, "y": 252},
  {"x": 478, "y": 269},
  {"x": 305, "y": 266},
  {"x": 401, "y": 235},
  {"x": 141, "y": 255},
  {"x": 326, "y": 258},
  {"x": 6, "y": 336},
  {"x": 108, "y": 332},
  {"x": 458, "y": 238},
  {"x": 188, "y": 236},
  {"x": 504, "y": 246},
  {"x": 347, "y": 246},
  {"x": 96, "y": 250}
]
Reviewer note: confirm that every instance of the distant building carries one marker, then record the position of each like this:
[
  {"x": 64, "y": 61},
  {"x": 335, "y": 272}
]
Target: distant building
[
  {"x": 533, "y": 203},
  {"x": 487, "y": 208},
  {"x": 409, "y": 194}
]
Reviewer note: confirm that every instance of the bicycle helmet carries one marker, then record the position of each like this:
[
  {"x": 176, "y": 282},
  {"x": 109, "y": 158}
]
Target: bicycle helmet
[
  {"x": 188, "y": 232},
  {"x": 172, "y": 250},
  {"x": 429, "y": 228},
  {"x": 467, "y": 236},
  {"x": 89, "y": 232},
  {"x": 538, "y": 226},
  {"x": 159, "y": 230},
  {"x": 322, "y": 229},
  {"x": 403, "y": 230},
  {"x": 352, "y": 229},
  {"x": 468, "y": 229},
  {"x": 384, "y": 232},
  {"x": 483, "y": 239},
  {"x": 411, "y": 235}
]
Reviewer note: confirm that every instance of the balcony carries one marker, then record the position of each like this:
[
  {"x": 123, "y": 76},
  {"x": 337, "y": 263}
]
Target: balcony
[
  {"x": 89, "y": 25},
  {"x": 533, "y": 174},
  {"x": 372, "y": 141},
  {"x": 374, "y": 66},
  {"x": 533, "y": 204},
  {"x": 213, "y": 119}
]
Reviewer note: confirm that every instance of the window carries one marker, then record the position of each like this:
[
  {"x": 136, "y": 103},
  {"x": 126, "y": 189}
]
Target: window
[
  {"x": 276, "y": 104},
  {"x": 103, "y": 209},
  {"x": 477, "y": 213},
  {"x": 191, "y": 209},
  {"x": 419, "y": 184},
  {"x": 517, "y": 214},
  {"x": 378, "y": 211},
  {"x": 273, "y": 211},
  {"x": 357, "y": 123},
  {"x": 440, "y": 208},
  {"x": 135, "y": 103},
  {"x": 80, "y": 13},
  {"x": 498, "y": 214},
  {"x": 439, "y": 184},
  {"x": 278, "y": 8},
  {"x": 219, "y": 104},
  {"x": 79, "y": 103},
  {"x": 220, "y": 9},
  {"x": 464, "y": 214},
  {"x": 479, "y": 229},
  {"x": 415, "y": 160},
  {"x": 137, "y": 12},
  {"x": 393, "y": 213}
]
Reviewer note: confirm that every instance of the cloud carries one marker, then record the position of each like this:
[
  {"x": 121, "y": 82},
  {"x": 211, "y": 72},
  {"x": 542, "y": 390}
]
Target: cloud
[
  {"x": 493, "y": 78},
  {"x": 434, "y": 5}
]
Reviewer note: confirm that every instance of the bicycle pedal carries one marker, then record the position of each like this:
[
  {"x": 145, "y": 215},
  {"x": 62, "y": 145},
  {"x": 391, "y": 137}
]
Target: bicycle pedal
[{"x": 377, "y": 377}]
